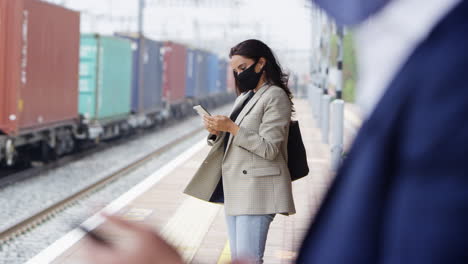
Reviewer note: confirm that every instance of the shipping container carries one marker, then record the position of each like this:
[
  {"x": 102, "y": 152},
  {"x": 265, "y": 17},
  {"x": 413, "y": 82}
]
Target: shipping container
[
  {"x": 174, "y": 80},
  {"x": 146, "y": 85},
  {"x": 231, "y": 82},
  {"x": 191, "y": 79},
  {"x": 213, "y": 70},
  {"x": 201, "y": 88},
  {"x": 222, "y": 77},
  {"x": 39, "y": 47},
  {"x": 105, "y": 77}
]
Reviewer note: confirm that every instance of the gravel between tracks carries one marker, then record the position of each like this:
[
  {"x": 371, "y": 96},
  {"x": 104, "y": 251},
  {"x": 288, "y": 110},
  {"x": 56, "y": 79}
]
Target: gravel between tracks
[{"x": 24, "y": 198}]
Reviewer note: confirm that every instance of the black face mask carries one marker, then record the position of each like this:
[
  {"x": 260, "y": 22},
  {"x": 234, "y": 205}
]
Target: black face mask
[{"x": 248, "y": 79}]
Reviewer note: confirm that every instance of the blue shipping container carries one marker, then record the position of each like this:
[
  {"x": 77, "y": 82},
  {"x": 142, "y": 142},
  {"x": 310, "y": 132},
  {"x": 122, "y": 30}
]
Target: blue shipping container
[
  {"x": 222, "y": 76},
  {"x": 212, "y": 77},
  {"x": 201, "y": 88},
  {"x": 147, "y": 91}
]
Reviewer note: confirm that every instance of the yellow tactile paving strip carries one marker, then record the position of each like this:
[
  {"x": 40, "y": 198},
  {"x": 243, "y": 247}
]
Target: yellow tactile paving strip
[
  {"x": 187, "y": 228},
  {"x": 225, "y": 256},
  {"x": 197, "y": 228}
]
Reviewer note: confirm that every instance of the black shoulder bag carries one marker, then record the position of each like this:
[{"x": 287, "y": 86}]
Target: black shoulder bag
[{"x": 297, "y": 157}]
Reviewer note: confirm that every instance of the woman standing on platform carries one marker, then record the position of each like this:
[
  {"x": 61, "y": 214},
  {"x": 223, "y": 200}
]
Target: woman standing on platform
[{"x": 246, "y": 168}]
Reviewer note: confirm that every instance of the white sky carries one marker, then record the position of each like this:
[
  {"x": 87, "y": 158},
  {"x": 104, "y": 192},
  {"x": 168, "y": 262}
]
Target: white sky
[{"x": 214, "y": 25}]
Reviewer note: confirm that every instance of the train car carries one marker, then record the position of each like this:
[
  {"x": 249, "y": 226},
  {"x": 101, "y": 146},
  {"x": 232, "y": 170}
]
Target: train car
[
  {"x": 59, "y": 89},
  {"x": 147, "y": 105},
  {"x": 212, "y": 80},
  {"x": 222, "y": 77},
  {"x": 174, "y": 79},
  {"x": 231, "y": 82},
  {"x": 201, "y": 87},
  {"x": 191, "y": 71},
  {"x": 105, "y": 85},
  {"x": 226, "y": 94},
  {"x": 196, "y": 88},
  {"x": 39, "y": 54},
  {"x": 212, "y": 74}
]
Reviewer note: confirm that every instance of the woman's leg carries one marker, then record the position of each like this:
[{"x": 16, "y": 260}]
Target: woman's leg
[
  {"x": 231, "y": 226},
  {"x": 251, "y": 235}
]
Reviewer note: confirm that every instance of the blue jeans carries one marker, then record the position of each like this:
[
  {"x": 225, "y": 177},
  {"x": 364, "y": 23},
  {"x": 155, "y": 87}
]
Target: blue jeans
[{"x": 247, "y": 235}]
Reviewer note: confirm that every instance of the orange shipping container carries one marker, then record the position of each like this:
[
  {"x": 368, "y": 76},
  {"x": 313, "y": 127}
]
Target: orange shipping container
[{"x": 39, "y": 60}]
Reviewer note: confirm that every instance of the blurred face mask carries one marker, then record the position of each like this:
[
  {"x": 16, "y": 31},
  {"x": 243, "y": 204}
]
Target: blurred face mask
[{"x": 248, "y": 79}]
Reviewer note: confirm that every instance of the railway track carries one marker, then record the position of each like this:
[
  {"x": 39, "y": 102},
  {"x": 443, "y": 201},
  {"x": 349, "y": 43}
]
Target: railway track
[
  {"x": 11, "y": 176},
  {"x": 29, "y": 223}
]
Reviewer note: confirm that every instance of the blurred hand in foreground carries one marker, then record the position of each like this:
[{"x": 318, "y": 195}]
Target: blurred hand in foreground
[{"x": 141, "y": 246}]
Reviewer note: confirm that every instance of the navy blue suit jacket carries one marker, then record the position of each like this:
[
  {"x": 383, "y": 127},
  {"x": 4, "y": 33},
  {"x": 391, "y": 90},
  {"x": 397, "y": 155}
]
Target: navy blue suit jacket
[{"x": 402, "y": 194}]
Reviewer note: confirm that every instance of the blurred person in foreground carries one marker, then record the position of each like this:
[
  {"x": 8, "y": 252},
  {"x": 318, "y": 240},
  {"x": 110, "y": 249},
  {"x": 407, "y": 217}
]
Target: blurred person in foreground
[{"x": 402, "y": 194}]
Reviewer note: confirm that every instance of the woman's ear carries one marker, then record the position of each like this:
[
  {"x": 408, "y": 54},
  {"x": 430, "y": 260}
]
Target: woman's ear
[{"x": 261, "y": 64}]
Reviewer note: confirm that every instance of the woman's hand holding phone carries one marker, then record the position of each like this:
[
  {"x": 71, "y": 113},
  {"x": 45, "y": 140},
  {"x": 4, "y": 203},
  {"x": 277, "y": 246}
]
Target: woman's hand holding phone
[
  {"x": 203, "y": 113},
  {"x": 209, "y": 129},
  {"x": 221, "y": 123}
]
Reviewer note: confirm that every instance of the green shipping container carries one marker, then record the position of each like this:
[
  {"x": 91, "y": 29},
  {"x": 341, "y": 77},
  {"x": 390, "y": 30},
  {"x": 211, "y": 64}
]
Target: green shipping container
[{"x": 105, "y": 77}]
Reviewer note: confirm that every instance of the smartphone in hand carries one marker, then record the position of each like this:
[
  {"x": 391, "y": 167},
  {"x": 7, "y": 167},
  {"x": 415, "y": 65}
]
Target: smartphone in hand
[{"x": 201, "y": 110}]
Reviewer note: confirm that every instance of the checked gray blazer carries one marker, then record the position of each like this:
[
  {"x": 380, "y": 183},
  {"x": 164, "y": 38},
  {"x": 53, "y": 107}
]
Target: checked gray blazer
[{"x": 254, "y": 167}]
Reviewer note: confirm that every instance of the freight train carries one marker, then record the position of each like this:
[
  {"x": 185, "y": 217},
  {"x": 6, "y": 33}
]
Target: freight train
[{"x": 60, "y": 88}]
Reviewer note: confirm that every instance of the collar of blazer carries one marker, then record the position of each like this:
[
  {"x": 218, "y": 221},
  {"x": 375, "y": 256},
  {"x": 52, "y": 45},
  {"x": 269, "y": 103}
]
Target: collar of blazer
[{"x": 246, "y": 110}]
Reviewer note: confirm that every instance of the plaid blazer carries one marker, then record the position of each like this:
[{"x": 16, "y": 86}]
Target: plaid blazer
[{"x": 254, "y": 166}]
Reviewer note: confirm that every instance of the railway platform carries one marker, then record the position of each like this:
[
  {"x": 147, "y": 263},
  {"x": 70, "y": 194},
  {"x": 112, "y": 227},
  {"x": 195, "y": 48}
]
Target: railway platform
[{"x": 196, "y": 228}]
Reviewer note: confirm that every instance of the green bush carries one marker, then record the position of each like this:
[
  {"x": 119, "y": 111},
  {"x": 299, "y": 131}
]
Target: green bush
[
  {"x": 333, "y": 49},
  {"x": 350, "y": 74},
  {"x": 349, "y": 94},
  {"x": 349, "y": 64}
]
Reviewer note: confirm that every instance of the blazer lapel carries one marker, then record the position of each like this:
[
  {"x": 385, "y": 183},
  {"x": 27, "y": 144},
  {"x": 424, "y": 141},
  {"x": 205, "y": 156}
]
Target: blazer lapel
[
  {"x": 238, "y": 103},
  {"x": 245, "y": 111},
  {"x": 250, "y": 104}
]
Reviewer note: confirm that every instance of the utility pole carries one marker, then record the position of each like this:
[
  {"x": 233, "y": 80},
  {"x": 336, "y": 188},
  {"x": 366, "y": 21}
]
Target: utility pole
[
  {"x": 141, "y": 53},
  {"x": 312, "y": 38},
  {"x": 141, "y": 7}
]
